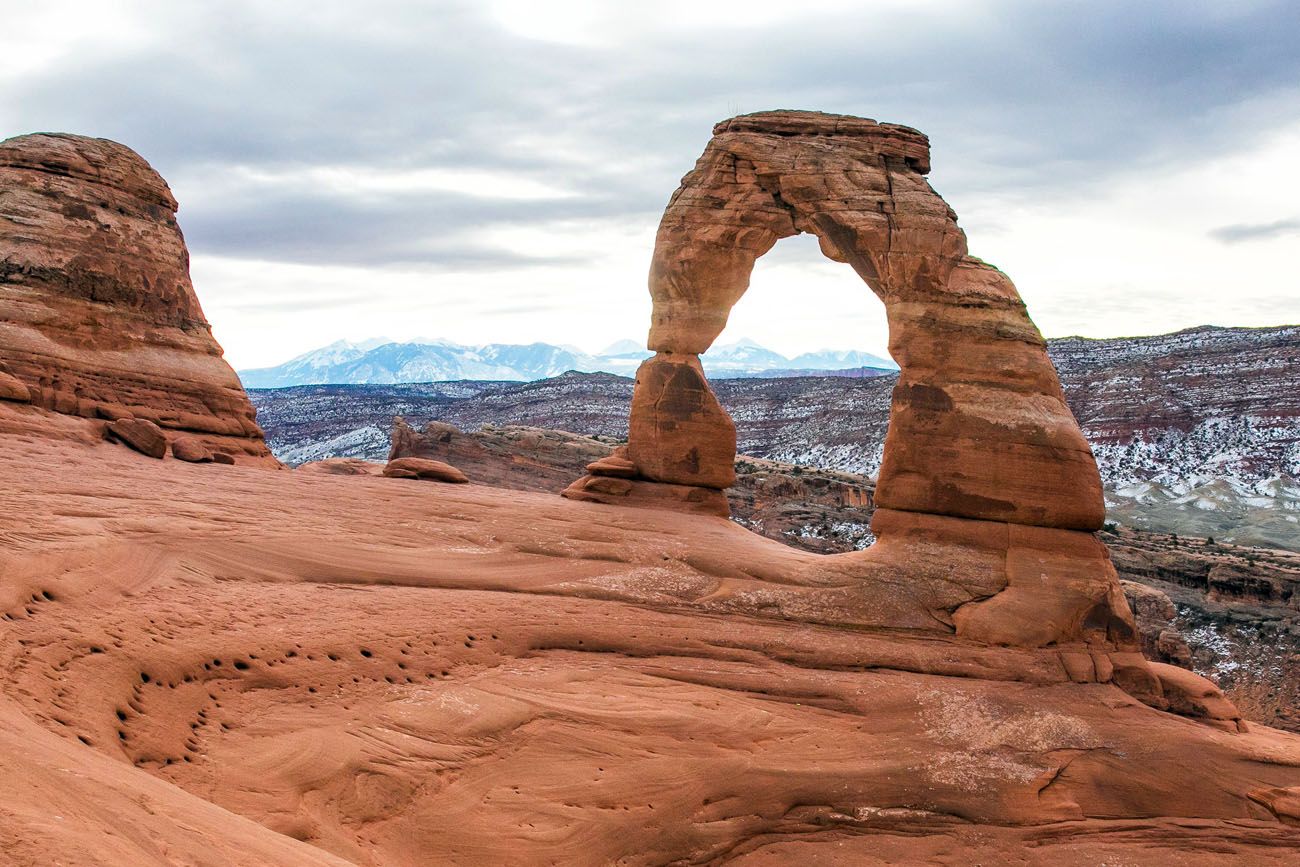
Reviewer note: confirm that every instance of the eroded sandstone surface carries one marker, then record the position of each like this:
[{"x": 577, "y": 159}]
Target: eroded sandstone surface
[
  {"x": 388, "y": 670},
  {"x": 98, "y": 317}
]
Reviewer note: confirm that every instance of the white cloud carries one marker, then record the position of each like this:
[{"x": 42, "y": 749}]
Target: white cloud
[{"x": 1134, "y": 256}]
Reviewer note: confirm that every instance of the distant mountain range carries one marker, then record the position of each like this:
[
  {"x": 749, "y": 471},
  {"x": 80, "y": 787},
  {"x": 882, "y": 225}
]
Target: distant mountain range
[{"x": 384, "y": 362}]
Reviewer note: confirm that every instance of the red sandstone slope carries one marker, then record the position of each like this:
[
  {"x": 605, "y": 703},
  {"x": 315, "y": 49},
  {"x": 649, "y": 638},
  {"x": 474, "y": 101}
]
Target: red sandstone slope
[{"x": 391, "y": 670}]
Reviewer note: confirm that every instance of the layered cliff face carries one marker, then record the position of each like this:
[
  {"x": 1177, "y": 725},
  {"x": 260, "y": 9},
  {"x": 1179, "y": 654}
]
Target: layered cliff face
[
  {"x": 1196, "y": 432},
  {"x": 98, "y": 317}
]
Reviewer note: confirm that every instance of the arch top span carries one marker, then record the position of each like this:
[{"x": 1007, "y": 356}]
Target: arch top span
[
  {"x": 978, "y": 428},
  {"x": 856, "y": 184}
]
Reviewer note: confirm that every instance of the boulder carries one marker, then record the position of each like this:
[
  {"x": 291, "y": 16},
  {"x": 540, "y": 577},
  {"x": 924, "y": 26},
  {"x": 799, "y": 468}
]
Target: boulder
[
  {"x": 425, "y": 470},
  {"x": 1153, "y": 614},
  {"x": 616, "y": 465},
  {"x": 342, "y": 467},
  {"x": 1189, "y": 694},
  {"x": 191, "y": 449},
  {"x": 1282, "y": 802},
  {"x": 12, "y": 388},
  {"x": 223, "y": 458},
  {"x": 140, "y": 434},
  {"x": 638, "y": 492},
  {"x": 1171, "y": 647}
]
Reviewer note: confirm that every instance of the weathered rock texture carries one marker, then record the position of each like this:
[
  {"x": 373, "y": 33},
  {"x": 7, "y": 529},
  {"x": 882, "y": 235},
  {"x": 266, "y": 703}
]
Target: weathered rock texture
[
  {"x": 98, "y": 317},
  {"x": 254, "y": 668},
  {"x": 986, "y": 476},
  {"x": 187, "y": 448},
  {"x": 424, "y": 469},
  {"x": 140, "y": 434}
]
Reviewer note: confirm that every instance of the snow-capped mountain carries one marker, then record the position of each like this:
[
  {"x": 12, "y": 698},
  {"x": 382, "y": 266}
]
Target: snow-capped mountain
[
  {"x": 828, "y": 359},
  {"x": 423, "y": 361},
  {"x": 384, "y": 362},
  {"x": 741, "y": 359}
]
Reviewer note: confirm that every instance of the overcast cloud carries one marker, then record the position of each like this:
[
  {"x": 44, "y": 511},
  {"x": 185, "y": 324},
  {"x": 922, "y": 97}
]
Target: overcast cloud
[{"x": 495, "y": 170}]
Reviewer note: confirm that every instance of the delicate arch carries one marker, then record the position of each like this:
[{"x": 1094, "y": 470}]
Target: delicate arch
[{"x": 979, "y": 427}]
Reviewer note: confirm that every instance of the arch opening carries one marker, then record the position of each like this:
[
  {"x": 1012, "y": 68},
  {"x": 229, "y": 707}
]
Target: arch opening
[{"x": 803, "y": 305}]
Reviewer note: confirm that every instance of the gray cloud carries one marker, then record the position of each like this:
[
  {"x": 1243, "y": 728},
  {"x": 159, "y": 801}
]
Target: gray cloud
[
  {"x": 328, "y": 227},
  {"x": 1021, "y": 99},
  {"x": 1239, "y": 232}
]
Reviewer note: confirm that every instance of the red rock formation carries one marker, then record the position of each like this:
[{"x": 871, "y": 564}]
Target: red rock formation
[
  {"x": 979, "y": 427},
  {"x": 985, "y": 475},
  {"x": 344, "y": 467},
  {"x": 98, "y": 317},
  {"x": 313, "y": 668},
  {"x": 140, "y": 434},
  {"x": 424, "y": 470},
  {"x": 190, "y": 449},
  {"x": 12, "y": 389}
]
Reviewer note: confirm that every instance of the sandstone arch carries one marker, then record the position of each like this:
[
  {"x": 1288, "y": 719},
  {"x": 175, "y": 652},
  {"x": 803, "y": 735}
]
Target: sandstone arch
[
  {"x": 986, "y": 481},
  {"x": 979, "y": 426}
]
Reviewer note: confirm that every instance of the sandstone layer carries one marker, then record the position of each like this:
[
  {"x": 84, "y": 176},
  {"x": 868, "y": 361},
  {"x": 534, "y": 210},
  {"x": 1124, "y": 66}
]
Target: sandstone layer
[{"x": 98, "y": 317}]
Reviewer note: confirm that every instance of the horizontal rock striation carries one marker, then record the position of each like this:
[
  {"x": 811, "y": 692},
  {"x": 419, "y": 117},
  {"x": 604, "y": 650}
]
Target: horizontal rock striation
[{"x": 98, "y": 317}]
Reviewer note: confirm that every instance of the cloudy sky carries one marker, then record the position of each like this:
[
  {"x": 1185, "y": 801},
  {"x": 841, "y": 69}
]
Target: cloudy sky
[{"x": 494, "y": 171}]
